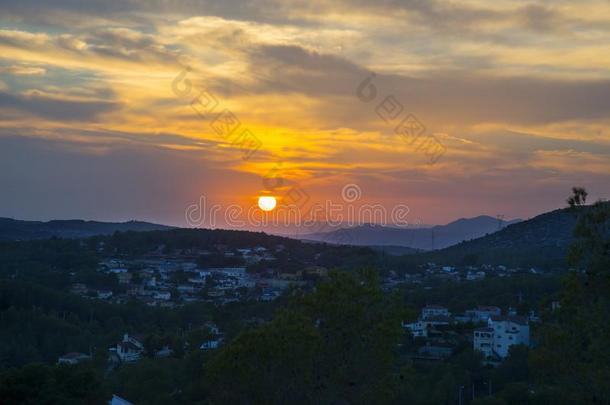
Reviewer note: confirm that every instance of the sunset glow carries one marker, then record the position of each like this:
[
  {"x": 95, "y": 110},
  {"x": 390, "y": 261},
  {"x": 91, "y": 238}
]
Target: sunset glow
[
  {"x": 266, "y": 203},
  {"x": 103, "y": 96}
]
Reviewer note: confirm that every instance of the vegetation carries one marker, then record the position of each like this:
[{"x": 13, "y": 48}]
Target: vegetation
[
  {"x": 574, "y": 356},
  {"x": 341, "y": 343},
  {"x": 578, "y": 197},
  {"x": 334, "y": 345}
]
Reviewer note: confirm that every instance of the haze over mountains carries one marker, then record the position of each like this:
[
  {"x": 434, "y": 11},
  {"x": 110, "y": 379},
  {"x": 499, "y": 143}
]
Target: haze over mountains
[{"x": 436, "y": 237}]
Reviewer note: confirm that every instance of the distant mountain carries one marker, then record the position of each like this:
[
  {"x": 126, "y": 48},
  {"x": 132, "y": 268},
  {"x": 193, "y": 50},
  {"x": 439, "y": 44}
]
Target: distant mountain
[
  {"x": 12, "y": 229},
  {"x": 542, "y": 241},
  {"x": 436, "y": 237}
]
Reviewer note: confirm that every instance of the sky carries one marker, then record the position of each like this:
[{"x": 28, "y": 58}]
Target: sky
[{"x": 119, "y": 110}]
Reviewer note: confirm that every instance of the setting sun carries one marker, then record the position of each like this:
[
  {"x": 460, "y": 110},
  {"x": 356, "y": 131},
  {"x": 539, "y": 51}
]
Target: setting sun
[{"x": 266, "y": 203}]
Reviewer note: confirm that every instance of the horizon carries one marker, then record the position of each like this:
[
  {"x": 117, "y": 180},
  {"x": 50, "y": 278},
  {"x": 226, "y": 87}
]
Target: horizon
[
  {"x": 390, "y": 225},
  {"x": 288, "y": 230}
]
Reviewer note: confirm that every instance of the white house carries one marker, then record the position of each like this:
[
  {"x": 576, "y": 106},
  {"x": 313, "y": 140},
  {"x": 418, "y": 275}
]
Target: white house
[
  {"x": 423, "y": 326},
  {"x": 186, "y": 288},
  {"x": 418, "y": 329},
  {"x": 434, "y": 310},
  {"x": 204, "y": 273},
  {"x": 482, "y": 313},
  {"x": 211, "y": 344},
  {"x": 129, "y": 349},
  {"x": 501, "y": 333},
  {"x": 216, "y": 338},
  {"x": 237, "y": 272},
  {"x": 484, "y": 341},
  {"x": 117, "y": 270},
  {"x": 162, "y": 295}
]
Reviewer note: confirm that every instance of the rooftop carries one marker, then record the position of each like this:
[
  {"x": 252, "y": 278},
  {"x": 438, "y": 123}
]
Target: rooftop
[{"x": 521, "y": 320}]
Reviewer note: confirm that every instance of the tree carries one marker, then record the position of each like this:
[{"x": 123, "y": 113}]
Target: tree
[
  {"x": 335, "y": 345},
  {"x": 42, "y": 384},
  {"x": 578, "y": 197},
  {"x": 150, "y": 381},
  {"x": 574, "y": 355}
]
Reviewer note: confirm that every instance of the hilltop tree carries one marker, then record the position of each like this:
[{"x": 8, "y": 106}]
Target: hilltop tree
[{"x": 578, "y": 197}]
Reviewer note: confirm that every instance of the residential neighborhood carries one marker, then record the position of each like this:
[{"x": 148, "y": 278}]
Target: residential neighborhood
[
  {"x": 177, "y": 278},
  {"x": 492, "y": 334}
]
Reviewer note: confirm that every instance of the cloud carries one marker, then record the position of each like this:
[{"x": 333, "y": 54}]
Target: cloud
[
  {"x": 23, "y": 70},
  {"x": 18, "y": 38},
  {"x": 540, "y": 17},
  {"x": 511, "y": 141},
  {"x": 93, "y": 50},
  {"x": 55, "y": 108},
  {"x": 445, "y": 97}
]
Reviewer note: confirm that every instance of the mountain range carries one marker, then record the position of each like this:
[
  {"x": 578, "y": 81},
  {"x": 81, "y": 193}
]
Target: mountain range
[
  {"x": 538, "y": 242},
  {"x": 13, "y": 229},
  {"x": 435, "y": 237},
  {"x": 542, "y": 241}
]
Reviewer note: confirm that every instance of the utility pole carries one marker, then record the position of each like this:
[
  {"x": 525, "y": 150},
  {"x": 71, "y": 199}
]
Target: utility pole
[{"x": 461, "y": 389}]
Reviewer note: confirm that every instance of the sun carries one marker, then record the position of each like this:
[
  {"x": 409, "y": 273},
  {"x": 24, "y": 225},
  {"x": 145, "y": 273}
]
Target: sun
[{"x": 266, "y": 203}]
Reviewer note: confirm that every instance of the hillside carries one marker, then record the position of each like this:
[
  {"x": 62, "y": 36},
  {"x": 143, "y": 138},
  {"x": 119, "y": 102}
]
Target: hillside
[
  {"x": 12, "y": 229},
  {"x": 538, "y": 242},
  {"x": 436, "y": 237},
  {"x": 394, "y": 250}
]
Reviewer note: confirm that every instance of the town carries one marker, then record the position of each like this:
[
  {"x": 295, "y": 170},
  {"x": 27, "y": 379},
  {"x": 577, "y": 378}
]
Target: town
[{"x": 221, "y": 275}]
